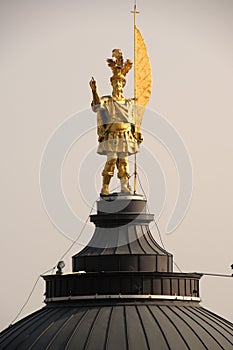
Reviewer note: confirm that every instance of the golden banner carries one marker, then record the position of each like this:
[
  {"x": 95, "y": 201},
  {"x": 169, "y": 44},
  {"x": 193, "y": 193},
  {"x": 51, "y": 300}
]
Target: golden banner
[{"x": 142, "y": 76}]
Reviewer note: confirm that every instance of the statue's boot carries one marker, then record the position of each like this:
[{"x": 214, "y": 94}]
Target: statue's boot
[
  {"x": 105, "y": 186},
  {"x": 123, "y": 174},
  {"x": 108, "y": 173},
  {"x": 125, "y": 187}
]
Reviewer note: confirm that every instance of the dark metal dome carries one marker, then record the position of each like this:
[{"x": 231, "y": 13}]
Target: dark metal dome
[
  {"x": 122, "y": 294},
  {"x": 121, "y": 325}
]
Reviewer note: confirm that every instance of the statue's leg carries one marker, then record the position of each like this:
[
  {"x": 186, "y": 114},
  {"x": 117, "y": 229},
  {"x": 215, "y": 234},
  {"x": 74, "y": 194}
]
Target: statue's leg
[
  {"x": 123, "y": 172},
  {"x": 108, "y": 172}
]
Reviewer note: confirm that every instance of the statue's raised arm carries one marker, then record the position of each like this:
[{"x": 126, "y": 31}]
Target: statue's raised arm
[{"x": 95, "y": 96}]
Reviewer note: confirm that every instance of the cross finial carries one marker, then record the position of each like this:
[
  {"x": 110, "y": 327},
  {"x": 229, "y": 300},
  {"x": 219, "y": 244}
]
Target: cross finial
[{"x": 135, "y": 12}]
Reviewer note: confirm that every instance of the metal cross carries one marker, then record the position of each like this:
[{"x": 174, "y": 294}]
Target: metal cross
[{"x": 135, "y": 12}]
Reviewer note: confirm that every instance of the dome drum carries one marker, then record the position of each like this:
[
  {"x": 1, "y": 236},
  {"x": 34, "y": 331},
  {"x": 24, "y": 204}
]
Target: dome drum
[
  {"x": 122, "y": 283},
  {"x": 123, "y": 262}
]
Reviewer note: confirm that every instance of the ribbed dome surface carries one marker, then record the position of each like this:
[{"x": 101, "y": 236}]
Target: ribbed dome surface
[
  {"x": 122, "y": 294},
  {"x": 134, "y": 239},
  {"x": 120, "y": 326}
]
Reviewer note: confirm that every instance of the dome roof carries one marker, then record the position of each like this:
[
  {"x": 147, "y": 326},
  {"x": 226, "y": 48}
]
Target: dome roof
[
  {"x": 122, "y": 325},
  {"x": 121, "y": 297}
]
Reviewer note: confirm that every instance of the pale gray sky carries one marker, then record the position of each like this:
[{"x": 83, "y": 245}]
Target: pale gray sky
[{"x": 49, "y": 51}]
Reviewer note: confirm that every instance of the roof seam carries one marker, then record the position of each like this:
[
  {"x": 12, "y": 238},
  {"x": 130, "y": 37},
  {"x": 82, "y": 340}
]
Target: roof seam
[
  {"x": 91, "y": 330},
  {"x": 44, "y": 331},
  {"x": 208, "y": 314},
  {"x": 51, "y": 323},
  {"x": 75, "y": 329},
  {"x": 126, "y": 330},
  {"x": 156, "y": 244},
  {"x": 188, "y": 314},
  {"x": 174, "y": 325},
  {"x": 25, "y": 326},
  {"x": 172, "y": 310},
  {"x": 19, "y": 324},
  {"x": 138, "y": 239},
  {"x": 107, "y": 330},
  {"x": 59, "y": 331},
  {"x": 142, "y": 325},
  {"x": 146, "y": 239},
  {"x": 161, "y": 330},
  {"x": 194, "y": 312},
  {"x": 128, "y": 243}
]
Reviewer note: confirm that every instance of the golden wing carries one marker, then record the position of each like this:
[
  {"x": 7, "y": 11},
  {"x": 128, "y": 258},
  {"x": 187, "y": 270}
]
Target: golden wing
[{"x": 142, "y": 77}]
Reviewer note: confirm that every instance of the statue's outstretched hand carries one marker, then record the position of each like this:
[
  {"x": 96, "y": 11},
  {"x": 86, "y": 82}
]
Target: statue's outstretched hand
[
  {"x": 92, "y": 84},
  {"x": 96, "y": 98}
]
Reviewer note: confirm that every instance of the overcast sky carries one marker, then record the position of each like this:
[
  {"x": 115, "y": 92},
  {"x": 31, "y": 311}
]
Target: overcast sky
[{"x": 49, "y": 51}]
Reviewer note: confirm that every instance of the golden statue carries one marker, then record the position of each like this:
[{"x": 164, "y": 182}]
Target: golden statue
[
  {"x": 118, "y": 118},
  {"x": 118, "y": 137}
]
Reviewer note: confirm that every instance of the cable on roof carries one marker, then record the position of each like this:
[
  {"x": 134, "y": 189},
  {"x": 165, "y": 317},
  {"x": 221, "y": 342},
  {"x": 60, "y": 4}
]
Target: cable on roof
[
  {"x": 83, "y": 228},
  {"x": 156, "y": 225},
  {"x": 28, "y": 298},
  {"x": 53, "y": 268}
]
